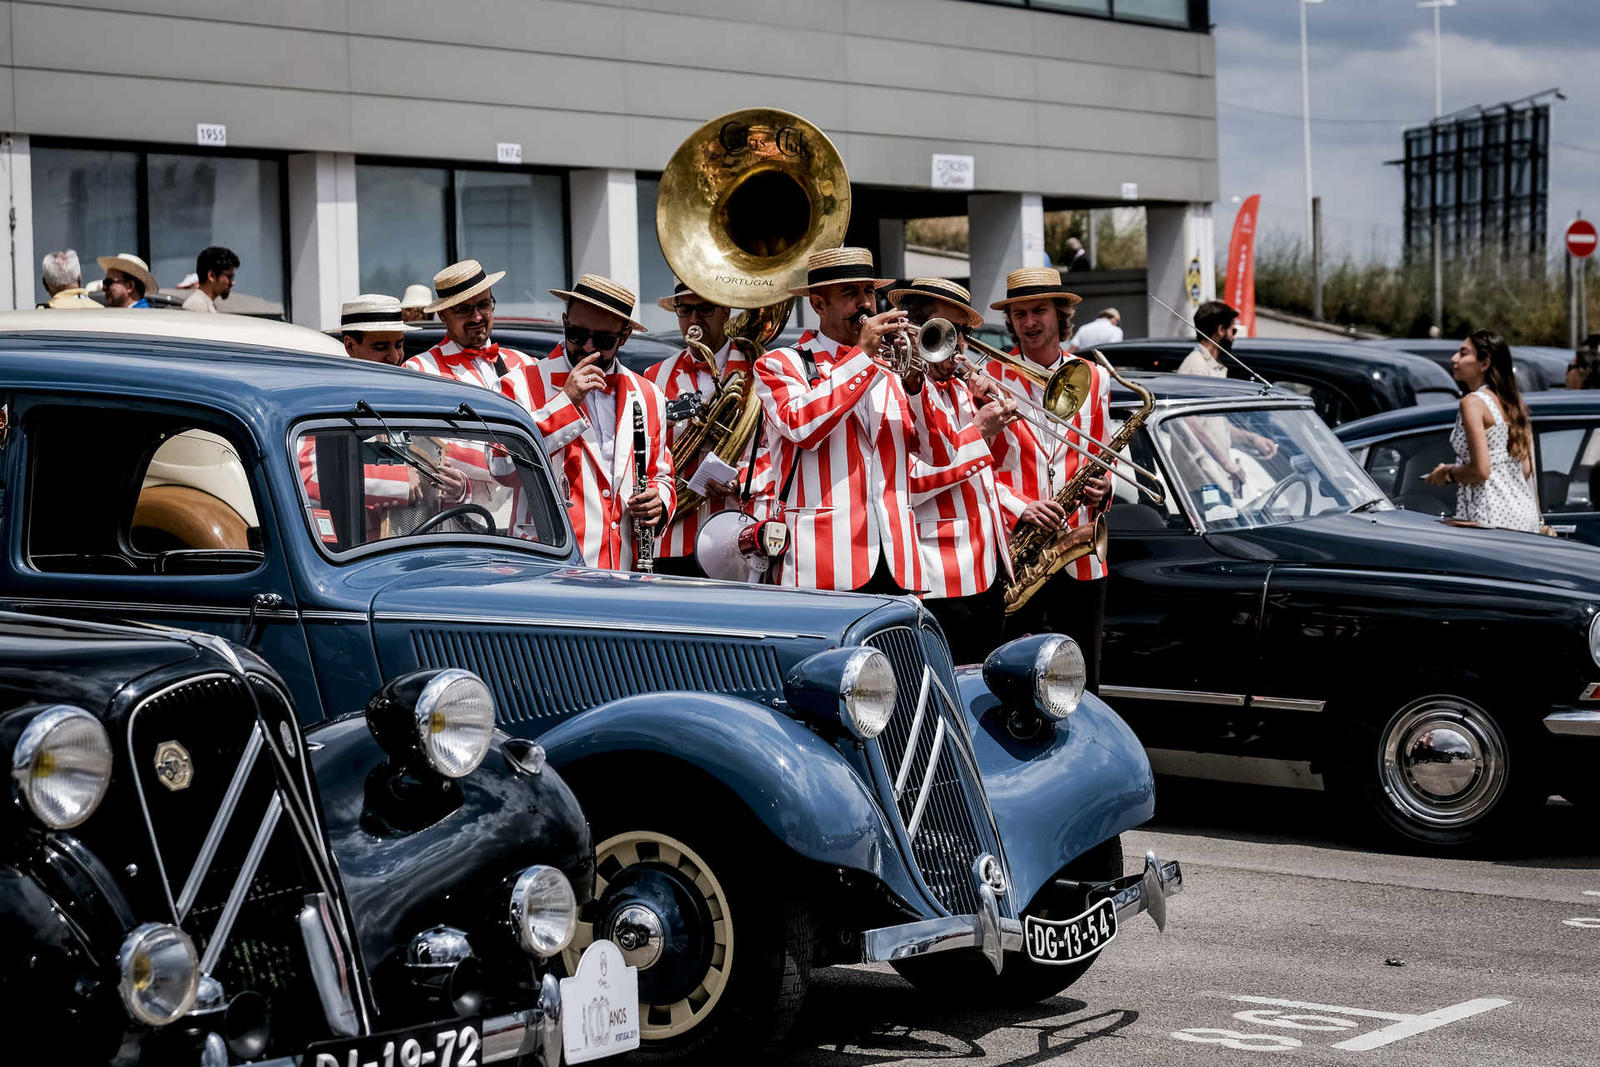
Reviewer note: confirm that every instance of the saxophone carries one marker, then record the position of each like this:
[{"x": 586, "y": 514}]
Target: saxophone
[{"x": 1037, "y": 553}]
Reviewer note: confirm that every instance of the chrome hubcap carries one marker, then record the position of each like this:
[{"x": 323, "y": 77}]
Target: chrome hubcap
[
  {"x": 1443, "y": 762},
  {"x": 638, "y": 933}
]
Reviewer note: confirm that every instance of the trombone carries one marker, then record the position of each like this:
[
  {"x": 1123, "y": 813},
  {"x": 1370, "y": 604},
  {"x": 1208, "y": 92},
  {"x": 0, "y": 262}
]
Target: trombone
[{"x": 1064, "y": 393}]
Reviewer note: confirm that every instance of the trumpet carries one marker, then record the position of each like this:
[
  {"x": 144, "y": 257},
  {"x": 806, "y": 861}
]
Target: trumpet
[{"x": 912, "y": 348}]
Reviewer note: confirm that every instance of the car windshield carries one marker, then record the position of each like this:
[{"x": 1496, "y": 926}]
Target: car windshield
[
  {"x": 364, "y": 484},
  {"x": 1262, "y": 467}
]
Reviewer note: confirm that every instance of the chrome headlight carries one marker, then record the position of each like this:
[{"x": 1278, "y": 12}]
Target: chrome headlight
[
  {"x": 159, "y": 973},
  {"x": 444, "y": 719},
  {"x": 544, "y": 911},
  {"x": 1059, "y": 676},
  {"x": 1594, "y": 639},
  {"x": 852, "y": 687},
  {"x": 62, "y": 765}
]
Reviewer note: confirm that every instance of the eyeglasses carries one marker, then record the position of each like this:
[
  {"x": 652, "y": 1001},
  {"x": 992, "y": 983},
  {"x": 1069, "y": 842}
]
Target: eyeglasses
[
  {"x": 466, "y": 311},
  {"x": 703, "y": 312},
  {"x": 604, "y": 340}
]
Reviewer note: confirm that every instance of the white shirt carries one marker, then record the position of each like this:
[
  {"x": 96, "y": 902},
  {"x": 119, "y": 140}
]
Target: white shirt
[
  {"x": 1097, "y": 331},
  {"x": 1203, "y": 363},
  {"x": 199, "y": 301},
  {"x": 602, "y": 411}
]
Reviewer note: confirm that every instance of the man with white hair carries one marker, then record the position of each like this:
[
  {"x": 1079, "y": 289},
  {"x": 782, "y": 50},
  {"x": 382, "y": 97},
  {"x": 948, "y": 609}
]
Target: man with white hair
[{"x": 61, "y": 271}]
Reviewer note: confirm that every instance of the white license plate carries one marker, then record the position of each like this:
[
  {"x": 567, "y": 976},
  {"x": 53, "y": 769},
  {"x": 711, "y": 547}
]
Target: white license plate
[
  {"x": 600, "y": 1005},
  {"x": 453, "y": 1044},
  {"x": 1070, "y": 940}
]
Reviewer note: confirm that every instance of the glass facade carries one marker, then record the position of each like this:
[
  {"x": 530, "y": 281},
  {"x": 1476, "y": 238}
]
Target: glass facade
[
  {"x": 401, "y": 225},
  {"x": 1193, "y": 14},
  {"x": 655, "y": 277},
  {"x": 86, "y": 199}
]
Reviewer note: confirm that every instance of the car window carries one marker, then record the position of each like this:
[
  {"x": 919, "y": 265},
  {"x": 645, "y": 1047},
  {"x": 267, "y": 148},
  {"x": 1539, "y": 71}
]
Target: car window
[
  {"x": 1135, "y": 511},
  {"x": 1333, "y": 407},
  {"x": 361, "y": 485},
  {"x": 144, "y": 493},
  {"x": 1398, "y": 464},
  {"x": 1569, "y": 468}
]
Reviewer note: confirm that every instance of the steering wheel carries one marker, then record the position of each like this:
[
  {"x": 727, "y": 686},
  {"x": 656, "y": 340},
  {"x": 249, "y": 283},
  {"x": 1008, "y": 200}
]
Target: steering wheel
[
  {"x": 1272, "y": 495},
  {"x": 447, "y": 514}
]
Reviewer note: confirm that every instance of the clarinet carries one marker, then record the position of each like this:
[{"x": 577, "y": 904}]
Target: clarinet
[{"x": 644, "y": 535}]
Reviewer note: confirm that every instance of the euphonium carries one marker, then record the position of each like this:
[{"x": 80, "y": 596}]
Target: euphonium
[
  {"x": 723, "y": 425},
  {"x": 1037, "y": 553}
]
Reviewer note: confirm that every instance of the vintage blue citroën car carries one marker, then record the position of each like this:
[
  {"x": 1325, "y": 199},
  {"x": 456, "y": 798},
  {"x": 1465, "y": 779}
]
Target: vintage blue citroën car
[{"x": 775, "y": 780}]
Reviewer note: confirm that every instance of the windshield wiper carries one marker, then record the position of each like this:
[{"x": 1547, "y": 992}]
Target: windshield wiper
[
  {"x": 1369, "y": 505},
  {"x": 404, "y": 455}
]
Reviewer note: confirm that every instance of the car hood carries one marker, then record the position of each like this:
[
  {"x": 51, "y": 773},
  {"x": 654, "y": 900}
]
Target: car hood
[
  {"x": 1408, "y": 541},
  {"x": 501, "y": 593}
]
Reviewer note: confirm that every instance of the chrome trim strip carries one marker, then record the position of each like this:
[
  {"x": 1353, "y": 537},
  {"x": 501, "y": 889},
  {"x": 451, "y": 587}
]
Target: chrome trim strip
[
  {"x": 1287, "y": 704},
  {"x": 1181, "y": 696},
  {"x": 328, "y": 971},
  {"x": 334, "y": 616},
  {"x": 584, "y": 624},
  {"x": 241, "y": 887},
  {"x": 1573, "y": 723},
  {"x": 915, "y": 732},
  {"x": 124, "y": 607},
  {"x": 927, "y": 780},
  {"x": 219, "y": 825}
]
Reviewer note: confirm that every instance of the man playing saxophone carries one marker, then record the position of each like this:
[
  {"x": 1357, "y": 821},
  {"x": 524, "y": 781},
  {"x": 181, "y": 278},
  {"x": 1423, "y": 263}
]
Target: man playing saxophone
[{"x": 1038, "y": 313}]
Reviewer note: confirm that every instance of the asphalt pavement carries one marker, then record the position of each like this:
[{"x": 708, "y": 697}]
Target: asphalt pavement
[{"x": 1295, "y": 940}]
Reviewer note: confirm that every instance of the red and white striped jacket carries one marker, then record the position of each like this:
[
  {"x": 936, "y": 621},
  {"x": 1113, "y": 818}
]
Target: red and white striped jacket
[
  {"x": 386, "y": 485},
  {"x": 675, "y": 377},
  {"x": 963, "y": 530},
  {"x": 599, "y": 493},
  {"x": 1041, "y": 471},
  {"x": 849, "y": 436}
]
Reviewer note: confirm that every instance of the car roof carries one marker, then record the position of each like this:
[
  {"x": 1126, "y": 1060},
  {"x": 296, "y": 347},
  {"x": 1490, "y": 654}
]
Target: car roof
[
  {"x": 1176, "y": 389},
  {"x": 1351, "y": 351},
  {"x": 1549, "y": 403},
  {"x": 172, "y": 324}
]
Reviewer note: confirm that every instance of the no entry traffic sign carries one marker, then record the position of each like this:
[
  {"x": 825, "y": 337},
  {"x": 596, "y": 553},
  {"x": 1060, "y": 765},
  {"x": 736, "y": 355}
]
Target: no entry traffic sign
[{"x": 1582, "y": 238}]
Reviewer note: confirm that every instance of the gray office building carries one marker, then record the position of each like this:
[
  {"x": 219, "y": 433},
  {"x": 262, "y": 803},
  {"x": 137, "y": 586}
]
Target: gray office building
[{"x": 347, "y": 146}]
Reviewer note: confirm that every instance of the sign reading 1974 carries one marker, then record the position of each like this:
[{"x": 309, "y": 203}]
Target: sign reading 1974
[{"x": 211, "y": 134}]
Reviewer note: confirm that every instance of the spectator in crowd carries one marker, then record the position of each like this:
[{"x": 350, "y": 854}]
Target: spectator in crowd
[
  {"x": 60, "y": 271},
  {"x": 1584, "y": 370},
  {"x": 373, "y": 329},
  {"x": 1493, "y": 440},
  {"x": 214, "y": 267},
  {"x": 1215, "y": 330},
  {"x": 1077, "y": 258},
  {"x": 128, "y": 280},
  {"x": 1104, "y": 329},
  {"x": 414, "y": 304}
]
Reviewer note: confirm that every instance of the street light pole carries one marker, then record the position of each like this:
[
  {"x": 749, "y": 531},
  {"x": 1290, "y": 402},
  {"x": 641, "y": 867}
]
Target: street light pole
[
  {"x": 1435, "y": 237},
  {"x": 1305, "y": 108}
]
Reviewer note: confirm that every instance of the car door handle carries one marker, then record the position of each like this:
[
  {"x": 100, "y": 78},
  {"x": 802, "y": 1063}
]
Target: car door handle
[{"x": 259, "y": 605}]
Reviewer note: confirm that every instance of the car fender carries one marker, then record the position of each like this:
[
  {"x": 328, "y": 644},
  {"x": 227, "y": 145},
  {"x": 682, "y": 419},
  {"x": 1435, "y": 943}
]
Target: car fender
[
  {"x": 501, "y": 820},
  {"x": 1054, "y": 797},
  {"x": 790, "y": 778}
]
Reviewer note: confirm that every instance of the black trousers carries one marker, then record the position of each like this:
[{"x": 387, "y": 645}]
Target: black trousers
[
  {"x": 972, "y": 624},
  {"x": 1068, "y": 606},
  {"x": 683, "y": 566}
]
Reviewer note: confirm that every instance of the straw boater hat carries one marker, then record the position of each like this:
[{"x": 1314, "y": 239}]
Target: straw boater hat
[
  {"x": 604, "y": 294},
  {"x": 946, "y": 292},
  {"x": 835, "y": 266},
  {"x": 670, "y": 303},
  {"x": 417, "y": 296},
  {"x": 128, "y": 263},
  {"x": 1030, "y": 283},
  {"x": 372, "y": 313},
  {"x": 460, "y": 281}
]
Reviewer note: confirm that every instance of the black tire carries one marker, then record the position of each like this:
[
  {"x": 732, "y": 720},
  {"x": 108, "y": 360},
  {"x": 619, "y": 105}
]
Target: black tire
[
  {"x": 1442, "y": 771},
  {"x": 968, "y": 977},
  {"x": 761, "y": 967}
]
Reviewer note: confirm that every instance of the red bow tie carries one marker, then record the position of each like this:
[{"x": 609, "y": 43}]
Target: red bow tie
[{"x": 489, "y": 353}]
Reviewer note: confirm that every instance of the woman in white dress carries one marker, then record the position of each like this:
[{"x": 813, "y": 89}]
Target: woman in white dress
[{"x": 1492, "y": 439}]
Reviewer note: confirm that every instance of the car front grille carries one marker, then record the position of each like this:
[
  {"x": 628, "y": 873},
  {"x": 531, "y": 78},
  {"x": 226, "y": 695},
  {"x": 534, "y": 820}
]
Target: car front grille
[
  {"x": 222, "y": 823},
  {"x": 929, "y": 762}
]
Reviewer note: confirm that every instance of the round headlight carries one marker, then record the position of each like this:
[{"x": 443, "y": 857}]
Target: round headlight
[
  {"x": 868, "y": 691},
  {"x": 544, "y": 910},
  {"x": 160, "y": 973},
  {"x": 1594, "y": 639},
  {"x": 455, "y": 722},
  {"x": 1058, "y": 677},
  {"x": 62, "y": 765}
]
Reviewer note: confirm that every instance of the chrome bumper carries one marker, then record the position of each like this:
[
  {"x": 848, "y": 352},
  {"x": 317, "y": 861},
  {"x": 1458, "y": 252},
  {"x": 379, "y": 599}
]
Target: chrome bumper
[
  {"x": 994, "y": 935},
  {"x": 1573, "y": 723}
]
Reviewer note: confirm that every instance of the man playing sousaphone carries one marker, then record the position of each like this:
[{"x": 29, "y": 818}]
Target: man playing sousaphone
[{"x": 689, "y": 385}]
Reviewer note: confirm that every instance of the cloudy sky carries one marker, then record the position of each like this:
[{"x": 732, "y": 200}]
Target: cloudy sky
[{"x": 1371, "y": 65}]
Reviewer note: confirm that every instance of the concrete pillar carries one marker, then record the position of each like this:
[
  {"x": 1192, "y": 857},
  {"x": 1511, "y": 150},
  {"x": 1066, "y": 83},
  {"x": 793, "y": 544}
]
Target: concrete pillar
[
  {"x": 892, "y": 248},
  {"x": 1180, "y": 245},
  {"x": 324, "y": 251},
  {"x": 18, "y": 270},
  {"x": 1007, "y": 232},
  {"x": 605, "y": 225}
]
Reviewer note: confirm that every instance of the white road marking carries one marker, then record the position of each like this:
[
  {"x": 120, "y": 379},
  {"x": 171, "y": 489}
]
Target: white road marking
[
  {"x": 1583, "y": 923},
  {"x": 1360, "y": 1013},
  {"x": 1591, "y": 892},
  {"x": 1272, "y": 1017},
  {"x": 1235, "y": 1040},
  {"x": 1404, "y": 1026}
]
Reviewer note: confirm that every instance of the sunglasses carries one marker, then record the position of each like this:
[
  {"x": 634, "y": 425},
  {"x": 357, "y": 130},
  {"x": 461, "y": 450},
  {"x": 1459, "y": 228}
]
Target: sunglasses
[
  {"x": 604, "y": 340},
  {"x": 695, "y": 311}
]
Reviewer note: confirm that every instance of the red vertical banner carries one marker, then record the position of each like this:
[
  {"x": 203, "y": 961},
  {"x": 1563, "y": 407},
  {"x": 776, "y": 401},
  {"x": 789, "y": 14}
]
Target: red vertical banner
[{"x": 1240, "y": 288}]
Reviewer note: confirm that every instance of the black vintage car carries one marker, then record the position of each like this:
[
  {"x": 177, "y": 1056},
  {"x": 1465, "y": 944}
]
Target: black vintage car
[
  {"x": 1537, "y": 366},
  {"x": 1290, "y": 626},
  {"x": 1344, "y": 380},
  {"x": 1399, "y": 447},
  {"x": 188, "y": 878}
]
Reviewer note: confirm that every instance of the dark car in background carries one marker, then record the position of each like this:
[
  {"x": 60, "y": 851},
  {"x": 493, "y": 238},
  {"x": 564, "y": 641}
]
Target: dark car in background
[
  {"x": 539, "y": 337},
  {"x": 1537, "y": 366},
  {"x": 1396, "y": 449},
  {"x": 1344, "y": 381}
]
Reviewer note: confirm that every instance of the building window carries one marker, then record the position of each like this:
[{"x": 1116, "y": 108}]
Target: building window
[
  {"x": 413, "y": 221},
  {"x": 1194, "y": 14},
  {"x": 164, "y": 208},
  {"x": 655, "y": 277}
]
